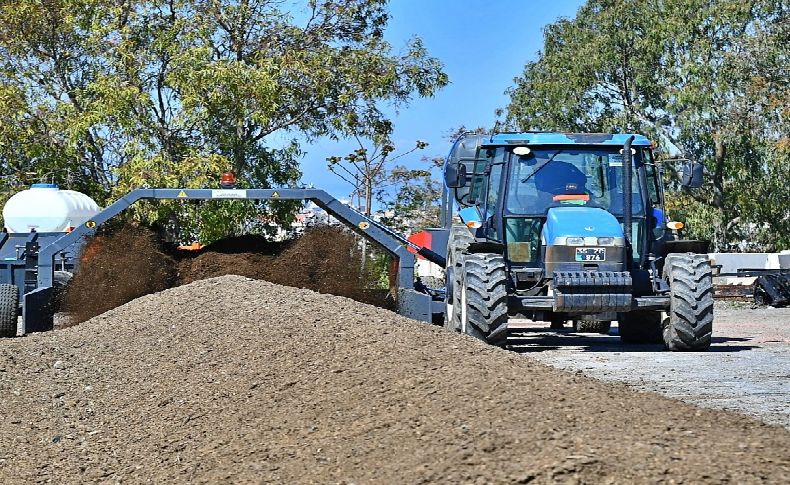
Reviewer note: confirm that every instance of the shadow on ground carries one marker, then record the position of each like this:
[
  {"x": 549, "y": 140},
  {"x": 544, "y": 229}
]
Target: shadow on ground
[{"x": 541, "y": 339}]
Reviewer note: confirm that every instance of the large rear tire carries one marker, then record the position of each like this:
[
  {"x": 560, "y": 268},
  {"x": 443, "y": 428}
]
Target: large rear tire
[
  {"x": 690, "y": 322},
  {"x": 459, "y": 241},
  {"x": 484, "y": 297},
  {"x": 640, "y": 327},
  {"x": 9, "y": 305}
]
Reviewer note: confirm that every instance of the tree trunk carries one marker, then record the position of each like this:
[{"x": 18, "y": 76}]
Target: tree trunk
[
  {"x": 718, "y": 201},
  {"x": 368, "y": 196}
]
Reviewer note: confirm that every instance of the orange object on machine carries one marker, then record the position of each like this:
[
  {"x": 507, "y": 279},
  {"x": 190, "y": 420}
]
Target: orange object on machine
[
  {"x": 227, "y": 180},
  {"x": 422, "y": 239},
  {"x": 583, "y": 197},
  {"x": 195, "y": 246}
]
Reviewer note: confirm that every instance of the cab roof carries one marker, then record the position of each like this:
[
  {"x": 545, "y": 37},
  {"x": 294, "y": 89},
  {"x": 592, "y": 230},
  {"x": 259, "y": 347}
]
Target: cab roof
[{"x": 553, "y": 138}]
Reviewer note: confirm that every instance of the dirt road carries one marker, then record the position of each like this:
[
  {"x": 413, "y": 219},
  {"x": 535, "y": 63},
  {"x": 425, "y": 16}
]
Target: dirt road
[
  {"x": 230, "y": 379},
  {"x": 747, "y": 368}
]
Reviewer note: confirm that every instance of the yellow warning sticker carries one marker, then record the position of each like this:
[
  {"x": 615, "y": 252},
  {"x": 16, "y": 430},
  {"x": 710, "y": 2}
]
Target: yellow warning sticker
[
  {"x": 90, "y": 224},
  {"x": 275, "y": 195},
  {"x": 182, "y": 194},
  {"x": 363, "y": 225}
]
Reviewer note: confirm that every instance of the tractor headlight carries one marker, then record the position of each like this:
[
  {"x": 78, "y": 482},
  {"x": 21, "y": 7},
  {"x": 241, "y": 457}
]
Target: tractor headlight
[
  {"x": 606, "y": 241},
  {"x": 575, "y": 241}
]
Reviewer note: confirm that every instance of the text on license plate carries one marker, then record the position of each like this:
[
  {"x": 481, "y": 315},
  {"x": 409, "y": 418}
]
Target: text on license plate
[{"x": 590, "y": 254}]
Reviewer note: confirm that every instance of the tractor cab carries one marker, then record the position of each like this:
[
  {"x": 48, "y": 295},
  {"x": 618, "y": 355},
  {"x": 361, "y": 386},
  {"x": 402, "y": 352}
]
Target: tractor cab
[{"x": 531, "y": 191}]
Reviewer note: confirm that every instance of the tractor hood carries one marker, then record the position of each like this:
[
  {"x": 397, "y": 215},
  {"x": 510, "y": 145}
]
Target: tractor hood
[
  {"x": 582, "y": 239},
  {"x": 589, "y": 223}
]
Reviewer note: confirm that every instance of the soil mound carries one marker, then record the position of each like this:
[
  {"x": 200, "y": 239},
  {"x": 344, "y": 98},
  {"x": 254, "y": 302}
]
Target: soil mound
[
  {"x": 211, "y": 264},
  {"x": 326, "y": 259},
  {"x": 115, "y": 269},
  {"x": 248, "y": 243},
  {"x": 236, "y": 380},
  {"x": 130, "y": 262}
]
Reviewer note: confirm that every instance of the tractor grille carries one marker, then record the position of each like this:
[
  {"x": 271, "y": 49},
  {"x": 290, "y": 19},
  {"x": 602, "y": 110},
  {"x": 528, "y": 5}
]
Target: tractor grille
[{"x": 592, "y": 291}]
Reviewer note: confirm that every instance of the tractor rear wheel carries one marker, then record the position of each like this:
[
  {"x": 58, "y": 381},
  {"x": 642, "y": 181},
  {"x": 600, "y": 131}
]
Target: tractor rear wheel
[
  {"x": 690, "y": 322},
  {"x": 460, "y": 238},
  {"x": 640, "y": 327},
  {"x": 484, "y": 297},
  {"x": 9, "y": 304},
  {"x": 593, "y": 326}
]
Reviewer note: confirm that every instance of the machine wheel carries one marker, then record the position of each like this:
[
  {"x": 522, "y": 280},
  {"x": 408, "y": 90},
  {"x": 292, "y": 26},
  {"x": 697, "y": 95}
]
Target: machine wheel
[
  {"x": 460, "y": 238},
  {"x": 593, "y": 326},
  {"x": 9, "y": 305},
  {"x": 640, "y": 327},
  {"x": 484, "y": 297},
  {"x": 690, "y": 322}
]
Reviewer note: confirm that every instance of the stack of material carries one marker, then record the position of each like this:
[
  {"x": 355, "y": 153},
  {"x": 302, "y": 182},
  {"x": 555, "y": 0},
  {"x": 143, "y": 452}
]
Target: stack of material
[{"x": 233, "y": 380}]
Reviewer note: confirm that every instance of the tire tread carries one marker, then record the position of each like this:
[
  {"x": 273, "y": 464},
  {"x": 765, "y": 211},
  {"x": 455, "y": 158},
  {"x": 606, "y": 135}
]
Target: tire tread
[
  {"x": 690, "y": 322},
  {"x": 9, "y": 304}
]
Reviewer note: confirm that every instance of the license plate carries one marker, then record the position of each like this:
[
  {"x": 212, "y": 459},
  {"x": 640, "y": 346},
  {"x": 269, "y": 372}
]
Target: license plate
[{"x": 590, "y": 254}]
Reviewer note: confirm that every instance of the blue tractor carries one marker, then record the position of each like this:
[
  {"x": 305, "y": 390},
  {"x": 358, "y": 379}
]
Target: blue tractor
[{"x": 562, "y": 228}]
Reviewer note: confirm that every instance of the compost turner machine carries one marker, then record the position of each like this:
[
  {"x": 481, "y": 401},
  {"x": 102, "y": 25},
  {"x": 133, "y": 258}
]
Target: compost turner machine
[{"x": 35, "y": 265}]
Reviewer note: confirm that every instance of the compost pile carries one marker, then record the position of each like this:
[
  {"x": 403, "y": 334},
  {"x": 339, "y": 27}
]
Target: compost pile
[
  {"x": 132, "y": 261},
  {"x": 237, "y": 380}
]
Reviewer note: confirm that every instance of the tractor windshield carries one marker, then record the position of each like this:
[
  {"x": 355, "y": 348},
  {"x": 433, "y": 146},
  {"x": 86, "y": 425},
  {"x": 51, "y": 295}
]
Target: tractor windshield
[{"x": 551, "y": 177}]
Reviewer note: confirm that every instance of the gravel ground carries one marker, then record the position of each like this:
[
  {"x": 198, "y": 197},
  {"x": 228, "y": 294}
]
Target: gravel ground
[
  {"x": 747, "y": 368},
  {"x": 235, "y": 380}
]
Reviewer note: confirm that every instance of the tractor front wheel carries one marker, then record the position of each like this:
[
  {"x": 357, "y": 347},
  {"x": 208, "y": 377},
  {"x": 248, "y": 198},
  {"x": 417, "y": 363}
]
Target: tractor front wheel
[
  {"x": 484, "y": 297},
  {"x": 460, "y": 238},
  {"x": 690, "y": 322}
]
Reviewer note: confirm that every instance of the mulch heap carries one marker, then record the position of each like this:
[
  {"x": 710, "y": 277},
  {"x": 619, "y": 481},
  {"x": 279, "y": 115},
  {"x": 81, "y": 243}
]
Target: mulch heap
[
  {"x": 132, "y": 262},
  {"x": 234, "y": 380}
]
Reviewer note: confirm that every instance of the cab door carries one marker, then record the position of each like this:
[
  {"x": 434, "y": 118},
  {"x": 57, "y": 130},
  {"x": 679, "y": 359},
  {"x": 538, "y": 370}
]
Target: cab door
[{"x": 491, "y": 205}]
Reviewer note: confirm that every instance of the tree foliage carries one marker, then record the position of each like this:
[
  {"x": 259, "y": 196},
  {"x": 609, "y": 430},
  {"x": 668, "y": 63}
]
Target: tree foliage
[
  {"x": 416, "y": 204},
  {"x": 368, "y": 169},
  {"x": 109, "y": 91},
  {"x": 706, "y": 79}
]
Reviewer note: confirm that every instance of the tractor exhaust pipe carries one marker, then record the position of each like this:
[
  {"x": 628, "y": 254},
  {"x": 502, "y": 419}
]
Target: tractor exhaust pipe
[{"x": 628, "y": 171}]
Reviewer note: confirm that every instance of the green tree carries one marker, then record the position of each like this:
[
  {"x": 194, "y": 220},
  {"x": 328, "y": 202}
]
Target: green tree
[
  {"x": 367, "y": 170},
  {"x": 416, "y": 202},
  {"x": 94, "y": 87},
  {"x": 703, "y": 78}
]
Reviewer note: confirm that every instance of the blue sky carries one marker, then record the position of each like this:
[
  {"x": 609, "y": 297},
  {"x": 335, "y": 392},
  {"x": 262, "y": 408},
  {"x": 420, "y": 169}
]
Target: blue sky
[{"x": 483, "y": 45}]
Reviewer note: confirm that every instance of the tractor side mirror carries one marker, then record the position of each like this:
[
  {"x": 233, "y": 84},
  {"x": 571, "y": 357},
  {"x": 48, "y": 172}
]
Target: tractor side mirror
[
  {"x": 691, "y": 175},
  {"x": 455, "y": 175}
]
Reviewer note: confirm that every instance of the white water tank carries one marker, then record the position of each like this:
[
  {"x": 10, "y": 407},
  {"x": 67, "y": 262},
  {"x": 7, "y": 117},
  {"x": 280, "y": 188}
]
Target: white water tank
[{"x": 46, "y": 208}]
